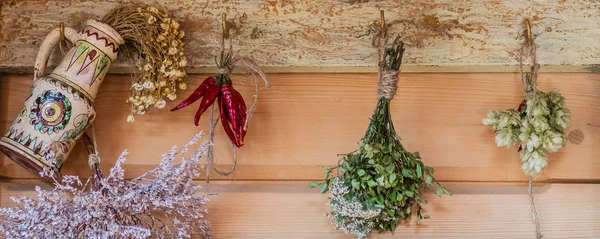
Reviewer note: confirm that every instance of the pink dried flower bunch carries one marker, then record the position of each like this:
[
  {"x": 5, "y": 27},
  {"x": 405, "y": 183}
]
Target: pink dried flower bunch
[{"x": 161, "y": 203}]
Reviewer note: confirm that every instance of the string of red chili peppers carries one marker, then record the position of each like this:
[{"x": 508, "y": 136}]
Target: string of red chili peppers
[{"x": 234, "y": 114}]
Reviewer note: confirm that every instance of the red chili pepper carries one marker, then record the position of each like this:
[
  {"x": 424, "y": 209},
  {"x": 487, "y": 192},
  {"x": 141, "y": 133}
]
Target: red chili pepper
[
  {"x": 241, "y": 112},
  {"x": 198, "y": 93},
  {"x": 231, "y": 106},
  {"x": 212, "y": 92},
  {"x": 231, "y": 111},
  {"x": 226, "y": 123},
  {"x": 521, "y": 106}
]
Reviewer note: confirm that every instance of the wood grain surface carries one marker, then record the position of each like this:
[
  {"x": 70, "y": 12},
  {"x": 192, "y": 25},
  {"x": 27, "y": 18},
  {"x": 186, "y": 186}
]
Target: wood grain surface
[
  {"x": 476, "y": 210},
  {"x": 305, "y": 120},
  {"x": 325, "y": 36}
]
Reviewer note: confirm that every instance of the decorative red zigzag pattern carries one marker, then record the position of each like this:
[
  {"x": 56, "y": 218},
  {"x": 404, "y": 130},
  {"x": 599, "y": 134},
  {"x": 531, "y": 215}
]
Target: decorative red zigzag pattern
[{"x": 107, "y": 43}]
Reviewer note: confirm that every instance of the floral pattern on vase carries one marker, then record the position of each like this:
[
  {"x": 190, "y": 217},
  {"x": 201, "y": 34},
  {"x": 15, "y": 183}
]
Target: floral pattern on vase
[{"x": 51, "y": 112}]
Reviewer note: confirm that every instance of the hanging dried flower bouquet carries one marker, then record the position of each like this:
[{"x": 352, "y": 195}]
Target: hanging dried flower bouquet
[
  {"x": 161, "y": 203},
  {"x": 537, "y": 125},
  {"x": 381, "y": 183},
  {"x": 153, "y": 43}
]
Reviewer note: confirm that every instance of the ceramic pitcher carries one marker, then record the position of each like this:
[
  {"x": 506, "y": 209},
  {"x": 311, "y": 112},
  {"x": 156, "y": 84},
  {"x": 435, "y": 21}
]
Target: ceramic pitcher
[{"x": 60, "y": 105}]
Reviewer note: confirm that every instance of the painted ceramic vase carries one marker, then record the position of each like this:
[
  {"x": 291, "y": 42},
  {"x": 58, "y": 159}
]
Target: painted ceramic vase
[{"x": 60, "y": 105}]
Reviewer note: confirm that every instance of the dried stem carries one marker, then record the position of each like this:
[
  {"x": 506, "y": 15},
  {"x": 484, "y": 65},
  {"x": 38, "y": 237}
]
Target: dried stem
[{"x": 534, "y": 214}]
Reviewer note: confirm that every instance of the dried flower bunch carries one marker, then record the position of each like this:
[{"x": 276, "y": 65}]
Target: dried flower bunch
[
  {"x": 382, "y": 183},
  {"x": 153, "y": 42},
  {"x": 538, "y": 126},
  {"x": 162, "y": 203}
]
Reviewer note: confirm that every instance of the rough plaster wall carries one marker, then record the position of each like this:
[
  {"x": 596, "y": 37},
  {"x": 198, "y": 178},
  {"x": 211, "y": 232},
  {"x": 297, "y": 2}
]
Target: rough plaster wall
[{"x": 307, "y": 33}]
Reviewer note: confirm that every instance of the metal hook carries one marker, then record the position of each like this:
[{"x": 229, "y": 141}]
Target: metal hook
[
  {"x": 529, "y": 35},
  {"x": 62, "y": 32},
  {"x": 382, "y": 19},
  {"x": 225, "y": 26}
]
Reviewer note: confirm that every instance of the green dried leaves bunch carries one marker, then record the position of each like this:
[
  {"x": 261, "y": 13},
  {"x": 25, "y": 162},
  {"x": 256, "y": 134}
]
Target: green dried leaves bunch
[
  {"x": 537, "y": 125},
  {"x": 381, "y": 183},
  {"x": 153, "y": 42}
]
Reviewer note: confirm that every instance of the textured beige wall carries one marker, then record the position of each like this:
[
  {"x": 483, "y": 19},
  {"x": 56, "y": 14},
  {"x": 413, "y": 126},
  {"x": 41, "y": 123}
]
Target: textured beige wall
[{"x": 323, "y": 36}]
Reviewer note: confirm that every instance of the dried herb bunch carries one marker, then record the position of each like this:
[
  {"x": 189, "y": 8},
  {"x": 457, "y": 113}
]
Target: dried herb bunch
[
  {"x": 162, "y": 203},
  {"x": 537, "y": 125},
  {"x": 381, "y": 183},
  {"x": 153, "y": 43}
]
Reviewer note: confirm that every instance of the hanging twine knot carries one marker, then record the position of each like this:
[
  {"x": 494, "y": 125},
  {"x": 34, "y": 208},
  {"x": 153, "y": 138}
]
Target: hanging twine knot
[
  {"x": 389, "y": 56},
  {"x": 93, "y": 160},
  {"x": 390, "y": 59},
  {"x": 528, "y": 79},
  {"x": 224, "y": 71},
  {"x": 388, "y": 84}
]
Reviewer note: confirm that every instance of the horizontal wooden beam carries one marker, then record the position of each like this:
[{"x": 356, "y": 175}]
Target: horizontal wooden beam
[
  {"x": 304, "y": 120},
  {"x": 476, "y": 210},
  {"x": 325, "y": 36}
]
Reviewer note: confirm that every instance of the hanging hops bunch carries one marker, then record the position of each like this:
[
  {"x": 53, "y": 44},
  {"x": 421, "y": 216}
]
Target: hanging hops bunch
[
  {"x": 381, "y": 183},
  {"x": 537, "y": 125},
  {"x": 153, "y": 42}
]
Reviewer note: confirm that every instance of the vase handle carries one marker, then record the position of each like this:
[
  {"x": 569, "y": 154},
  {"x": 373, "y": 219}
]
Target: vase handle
[{"x": 51, "y": 40}]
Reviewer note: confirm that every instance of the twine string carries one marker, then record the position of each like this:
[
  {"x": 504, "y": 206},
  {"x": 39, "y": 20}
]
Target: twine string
[
  {"x": 251, "y": 69},
  {"x": 534, "y": 214},
  {"x": 387, "y": 84},
  {"x": 93, "y": 154},
  {"x": 388, "y": 79},
  {"x": 528, "y": 79},
  {"x": 94, "y": 157},
  {"x": 529, "y": 82}
]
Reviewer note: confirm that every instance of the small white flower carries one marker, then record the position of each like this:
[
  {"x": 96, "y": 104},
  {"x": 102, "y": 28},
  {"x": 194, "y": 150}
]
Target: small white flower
[
  {"x": 182, "y": 85},
  {"x": 148, "y": 85},
  {"x": 130, "y": 118},
  {"x": 173, "y": 51},
  {"x": 161, "y": 104},
  {"x": 137, "y": 86},
  {"x": 176, "y": 73},
  {"x": 165, "y": 26},
  {"x": 183, "y": 63},
  {"x": 171, "y": 96},
  {"x": 153, "y": 9},
  {"x": 151, "y": 20}
]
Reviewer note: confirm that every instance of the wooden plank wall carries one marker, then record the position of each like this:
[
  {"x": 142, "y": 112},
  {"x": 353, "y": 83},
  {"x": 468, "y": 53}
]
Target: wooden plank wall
[
  {"x": 321, "y": 108},
  {"x": 304, "y": 120}
]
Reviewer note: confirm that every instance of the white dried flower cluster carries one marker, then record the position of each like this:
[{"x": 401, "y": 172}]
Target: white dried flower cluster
[
  {"x": 349, "y": 216},
  {"x": 538, "y": 126},
  {"x": 162, "y": 203},
  {"x": 162, "y": 67}
]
